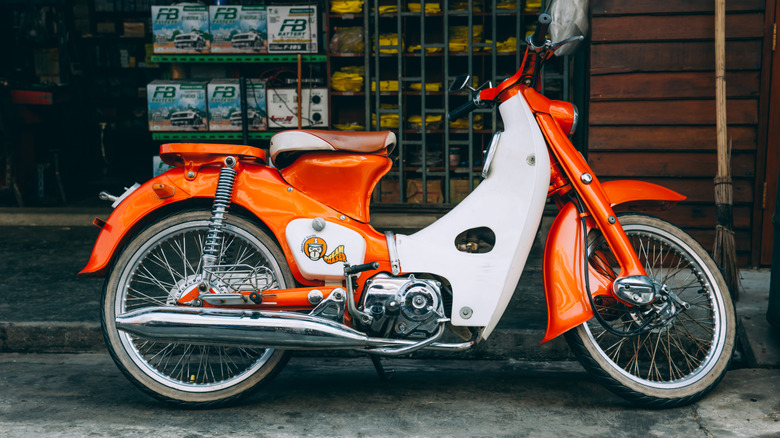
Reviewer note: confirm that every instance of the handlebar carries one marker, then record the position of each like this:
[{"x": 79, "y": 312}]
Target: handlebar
[
  {"x": 540, "y": 35},
  {"x": 462, "y": 110}
]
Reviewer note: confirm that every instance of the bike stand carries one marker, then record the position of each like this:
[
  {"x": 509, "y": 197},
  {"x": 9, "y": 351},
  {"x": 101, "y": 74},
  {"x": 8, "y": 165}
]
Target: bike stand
[{"x": 384, "y": 374}]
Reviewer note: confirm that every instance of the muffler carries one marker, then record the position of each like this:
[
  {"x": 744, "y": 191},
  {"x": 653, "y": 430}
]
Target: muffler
[{"x": 267, "y": 329}]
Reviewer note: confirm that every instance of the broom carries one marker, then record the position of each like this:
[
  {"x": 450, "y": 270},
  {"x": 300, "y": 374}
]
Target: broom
[{"x": 724, "y": 251}]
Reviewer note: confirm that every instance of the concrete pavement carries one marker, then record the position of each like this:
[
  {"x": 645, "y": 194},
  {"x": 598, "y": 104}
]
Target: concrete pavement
[{"x": 80, "y": 395}]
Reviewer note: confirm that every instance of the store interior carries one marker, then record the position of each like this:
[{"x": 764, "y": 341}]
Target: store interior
[{"x": 80, "y": 86}]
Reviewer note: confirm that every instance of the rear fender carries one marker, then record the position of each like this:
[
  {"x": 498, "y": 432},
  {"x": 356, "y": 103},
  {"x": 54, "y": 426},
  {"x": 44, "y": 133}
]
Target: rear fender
[
  {"x": 258, "y": 189},
  {"x": 567, "y": 303}
]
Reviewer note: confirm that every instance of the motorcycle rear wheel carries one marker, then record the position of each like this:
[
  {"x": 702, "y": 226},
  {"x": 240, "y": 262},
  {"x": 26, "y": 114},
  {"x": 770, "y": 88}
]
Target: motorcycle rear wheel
[
  {"x": 675, "y": 363},
  {"x": 151, "y": 270}
]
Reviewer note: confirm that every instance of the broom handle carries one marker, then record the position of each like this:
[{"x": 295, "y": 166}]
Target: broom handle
[{"x": 720, "y": 86}]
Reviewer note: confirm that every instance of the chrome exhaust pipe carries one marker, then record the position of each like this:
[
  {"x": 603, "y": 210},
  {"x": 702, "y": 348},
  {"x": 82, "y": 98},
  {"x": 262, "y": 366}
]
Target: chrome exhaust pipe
[
  {"x": 267, "y": 329},
  {"x": 240, "y": 327}
]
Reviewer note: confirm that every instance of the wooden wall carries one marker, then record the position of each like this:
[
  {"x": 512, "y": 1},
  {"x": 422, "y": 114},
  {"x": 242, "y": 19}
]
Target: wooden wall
[{"x": 652, "y": 103}]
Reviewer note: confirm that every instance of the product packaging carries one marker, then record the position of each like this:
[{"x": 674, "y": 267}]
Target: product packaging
[
  {"x": 292, "y": 29},
  {"x": 181, "y": 29},
  {"x": 177, "y": 105},
  {"x": 238, "y": 29}
]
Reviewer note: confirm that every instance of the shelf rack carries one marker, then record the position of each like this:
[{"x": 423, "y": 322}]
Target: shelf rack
[
  {"x": 238, "y": 59},
  {"x": 166, "y": 136},
  {"x": 243, "y": 136}
]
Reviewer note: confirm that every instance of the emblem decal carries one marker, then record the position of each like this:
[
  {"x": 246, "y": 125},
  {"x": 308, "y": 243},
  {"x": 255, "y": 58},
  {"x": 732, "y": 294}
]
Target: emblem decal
[{"x": 316, "y": 248}]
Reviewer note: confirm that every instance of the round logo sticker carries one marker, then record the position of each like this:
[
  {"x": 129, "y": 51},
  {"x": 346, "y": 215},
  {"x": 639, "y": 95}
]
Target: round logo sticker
[{"x": 314, "y": 248}]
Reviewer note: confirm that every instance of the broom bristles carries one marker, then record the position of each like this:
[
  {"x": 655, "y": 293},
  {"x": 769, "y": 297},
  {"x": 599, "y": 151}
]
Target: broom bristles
[{"x": 724, "y": 252}]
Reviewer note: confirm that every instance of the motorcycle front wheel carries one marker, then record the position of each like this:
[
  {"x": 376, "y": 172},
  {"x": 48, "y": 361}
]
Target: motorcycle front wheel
[
  {"x": 673, "y": 360},
  {"x": 153, "y": 270}
]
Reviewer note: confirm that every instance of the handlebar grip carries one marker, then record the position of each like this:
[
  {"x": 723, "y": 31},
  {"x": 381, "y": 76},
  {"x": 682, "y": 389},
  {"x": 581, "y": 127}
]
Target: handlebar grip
[
  {"x": 348, "y": 270},
  {"x": 462, "y": 110},
  {"x": 540, "y": 35}
]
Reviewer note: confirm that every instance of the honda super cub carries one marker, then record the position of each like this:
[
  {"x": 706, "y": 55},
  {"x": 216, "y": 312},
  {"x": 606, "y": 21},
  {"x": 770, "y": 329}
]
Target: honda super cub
[{"x": 201, "y": 306}]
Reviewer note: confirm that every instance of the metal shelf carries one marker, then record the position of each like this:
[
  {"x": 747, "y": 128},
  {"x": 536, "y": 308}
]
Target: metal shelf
[
  {"x": 165, "y": 136},
  {"x": 249, "y": 59}
]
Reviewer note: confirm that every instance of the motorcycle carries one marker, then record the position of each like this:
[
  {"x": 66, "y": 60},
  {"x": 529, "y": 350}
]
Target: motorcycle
[{"x": 200, "y": 308}]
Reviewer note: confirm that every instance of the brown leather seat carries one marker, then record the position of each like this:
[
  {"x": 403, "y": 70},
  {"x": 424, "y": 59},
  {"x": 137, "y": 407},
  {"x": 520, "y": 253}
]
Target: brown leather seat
[{"x": 314, "y": 140}]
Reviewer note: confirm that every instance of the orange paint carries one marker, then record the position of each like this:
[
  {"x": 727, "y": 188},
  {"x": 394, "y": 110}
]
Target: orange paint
[
  {"x": 343, "y": 181},
  {"x": 567, "y": 303},
  {"x": 258, "y": 189}
]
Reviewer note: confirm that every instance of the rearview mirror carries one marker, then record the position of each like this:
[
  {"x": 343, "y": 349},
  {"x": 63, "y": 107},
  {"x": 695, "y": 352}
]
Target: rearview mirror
[{"x": 460, "y": 82}]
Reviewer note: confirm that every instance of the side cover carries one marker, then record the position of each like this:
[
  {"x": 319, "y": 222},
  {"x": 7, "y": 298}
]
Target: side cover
[{"x": 567, "y": 303}]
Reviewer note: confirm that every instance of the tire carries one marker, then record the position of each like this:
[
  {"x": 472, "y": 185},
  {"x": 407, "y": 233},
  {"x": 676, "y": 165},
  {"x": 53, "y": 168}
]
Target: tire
[
  {"x": 675, "y": 363},
  {"x": 162, "y": 260}
]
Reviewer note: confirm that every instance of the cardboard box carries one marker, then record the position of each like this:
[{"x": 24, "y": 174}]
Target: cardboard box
[
  {"x": 459, "y": 189},
  {"x": 414, "y": 191},
  {"x": 224, "y": 104},
  {"x": 292, "y": 29},
  {"x": 238, "y": 29},
  {"x": 181, "y": 29},
  {"x": 177, "y": 105},
  {"x": 388, "y": 190}
]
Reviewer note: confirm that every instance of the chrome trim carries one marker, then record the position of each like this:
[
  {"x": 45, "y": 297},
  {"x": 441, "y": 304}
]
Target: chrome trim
[
  {"x": 268, "y": 329},
  {"x": 392, "y": 250},
  {"x": 224, "y": 299},
  {"x": 576, "y": 120},
  {"x": 491, "y": 153}
]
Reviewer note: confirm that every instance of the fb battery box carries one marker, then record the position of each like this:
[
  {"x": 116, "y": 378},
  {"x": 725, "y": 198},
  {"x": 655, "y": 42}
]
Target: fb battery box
[
  {"x": 292, "y": 29},
  {"x": 224, "y": 103},
  {"x": 238, "y": 29},
  {"x": 181, "y": 29},
  {"x": 177, "y": 105}
]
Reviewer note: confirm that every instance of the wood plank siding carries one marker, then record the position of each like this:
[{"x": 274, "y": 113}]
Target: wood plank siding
[{"x": 651, "y": 112}]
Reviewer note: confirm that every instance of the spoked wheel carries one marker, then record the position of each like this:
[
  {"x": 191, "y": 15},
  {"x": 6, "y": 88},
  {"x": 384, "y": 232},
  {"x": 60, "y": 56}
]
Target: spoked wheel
[
  {"x": 663, "y": 354},
  {"x": 155, "y": 269}
]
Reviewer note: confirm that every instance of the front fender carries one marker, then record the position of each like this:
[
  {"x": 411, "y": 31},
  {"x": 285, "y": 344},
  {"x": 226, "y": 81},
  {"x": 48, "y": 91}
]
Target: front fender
[{"x": 567, "y": 303}]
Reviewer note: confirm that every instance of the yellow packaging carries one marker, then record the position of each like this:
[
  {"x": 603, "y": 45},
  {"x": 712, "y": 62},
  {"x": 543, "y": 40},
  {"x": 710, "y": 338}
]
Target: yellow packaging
[
  {"x": 346, "y": 6},
  {"x": 418, "y": 47},
  {"x": 388, "y": 121},
  {"x": 348, "y": 79},
  {"x": 432, "y": 121},
  {"x": 385, "y": 86},
  {"x": 430, "y": 8},
  {"x": 464, "y": 123},
  {"x": 390, "y": 39},
  {"x": 429, "y": 86},
  {"x": 349, "y": 126}
]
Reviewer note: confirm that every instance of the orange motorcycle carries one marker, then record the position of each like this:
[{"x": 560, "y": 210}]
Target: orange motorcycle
[{"x": 201, "y": 307}]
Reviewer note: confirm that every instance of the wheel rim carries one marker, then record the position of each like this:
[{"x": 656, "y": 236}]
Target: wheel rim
[
  {"x": 676, "y": 354},
  {"x": 165, "y": 264}
]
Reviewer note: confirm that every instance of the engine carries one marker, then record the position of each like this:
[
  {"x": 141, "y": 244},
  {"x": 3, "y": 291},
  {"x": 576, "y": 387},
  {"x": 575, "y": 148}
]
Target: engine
[{"x": 402, "y": 307}]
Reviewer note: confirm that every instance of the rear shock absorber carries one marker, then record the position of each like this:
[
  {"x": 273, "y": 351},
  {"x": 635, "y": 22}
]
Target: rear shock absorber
[{"x": 211, "y": 248}]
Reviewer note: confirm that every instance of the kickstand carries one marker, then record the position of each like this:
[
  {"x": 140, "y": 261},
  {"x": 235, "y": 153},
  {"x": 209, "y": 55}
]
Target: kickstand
[{"x": 384, "y": 374}]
